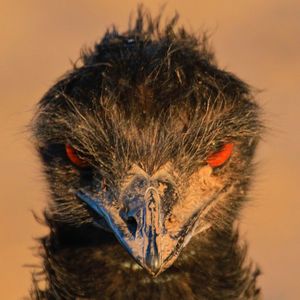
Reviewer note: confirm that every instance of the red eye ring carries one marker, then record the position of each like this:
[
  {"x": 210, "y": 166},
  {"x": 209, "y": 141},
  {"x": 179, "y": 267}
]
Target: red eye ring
[
  {"x": 219, "y": 158},
  {"x": 74, "y": 158}
]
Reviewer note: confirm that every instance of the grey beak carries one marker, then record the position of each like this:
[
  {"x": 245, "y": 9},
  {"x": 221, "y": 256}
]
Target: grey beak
[{"x": 143, "y": 230}]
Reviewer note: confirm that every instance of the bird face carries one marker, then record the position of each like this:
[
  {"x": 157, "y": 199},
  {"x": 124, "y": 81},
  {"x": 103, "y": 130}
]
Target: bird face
[
  {"x": 152, "y": 186},
  {"x": 148, "y": 140}
]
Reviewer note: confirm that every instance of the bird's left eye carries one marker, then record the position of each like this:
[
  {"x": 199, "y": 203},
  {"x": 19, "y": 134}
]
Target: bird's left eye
[
  {"x": 217, "y": 159},
  {"x": 74, "y": 158}
]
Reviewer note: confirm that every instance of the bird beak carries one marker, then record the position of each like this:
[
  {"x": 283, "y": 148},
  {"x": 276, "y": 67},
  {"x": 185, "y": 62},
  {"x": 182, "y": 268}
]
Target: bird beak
[{"x": 153, "y": 238}]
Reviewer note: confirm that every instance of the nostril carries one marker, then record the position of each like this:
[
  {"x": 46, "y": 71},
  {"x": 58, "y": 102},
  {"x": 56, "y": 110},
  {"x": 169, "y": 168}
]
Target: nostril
[
  {"x": 131, "y": 217},
  {"x": 132, "y": 225}
]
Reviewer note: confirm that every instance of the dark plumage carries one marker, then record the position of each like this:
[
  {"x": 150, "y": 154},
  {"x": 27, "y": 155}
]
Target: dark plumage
[{"x": 147, "y": 147}]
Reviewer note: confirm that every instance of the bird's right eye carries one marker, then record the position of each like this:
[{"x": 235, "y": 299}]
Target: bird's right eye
[
  {"x": 217, "y": 159},
  {"x": 74, "y": 158}
]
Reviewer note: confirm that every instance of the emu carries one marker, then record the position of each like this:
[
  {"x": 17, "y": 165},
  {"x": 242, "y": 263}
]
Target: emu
[{"x": 147, "y": 147}]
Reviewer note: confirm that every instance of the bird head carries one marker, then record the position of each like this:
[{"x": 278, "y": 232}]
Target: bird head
[{"x": 148, "y": 139}]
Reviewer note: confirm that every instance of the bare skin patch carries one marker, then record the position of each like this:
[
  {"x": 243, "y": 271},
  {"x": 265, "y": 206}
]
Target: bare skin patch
[{"x": 200, "y": 190}]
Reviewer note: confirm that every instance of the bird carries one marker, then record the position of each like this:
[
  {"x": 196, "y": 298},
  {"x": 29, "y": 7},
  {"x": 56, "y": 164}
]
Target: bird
[{"x": 148, "y": 149}]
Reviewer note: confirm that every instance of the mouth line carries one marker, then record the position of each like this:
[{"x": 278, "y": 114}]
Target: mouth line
[
  {"x": 94, "y": 210},
  {"x": 98, "y": 209},
  {"x": 190, "y": 225}
]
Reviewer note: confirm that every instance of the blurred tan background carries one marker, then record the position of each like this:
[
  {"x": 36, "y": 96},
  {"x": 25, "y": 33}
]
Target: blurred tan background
[{"x": 257, "y": 40}]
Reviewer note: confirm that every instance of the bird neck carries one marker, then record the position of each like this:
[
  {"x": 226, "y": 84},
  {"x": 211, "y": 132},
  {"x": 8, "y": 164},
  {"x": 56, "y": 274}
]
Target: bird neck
[{"x": 85, "y": 263}]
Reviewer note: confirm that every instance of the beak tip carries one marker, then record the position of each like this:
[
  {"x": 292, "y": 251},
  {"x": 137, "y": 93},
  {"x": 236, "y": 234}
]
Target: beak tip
[
  {"x": 153, "y": 273},
  {"x": 153, "y": 265}
]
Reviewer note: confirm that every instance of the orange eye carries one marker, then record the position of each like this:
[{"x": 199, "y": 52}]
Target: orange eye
[
  {"x": 74, "y": 158},
  {"x": 219, "y": 158}
]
